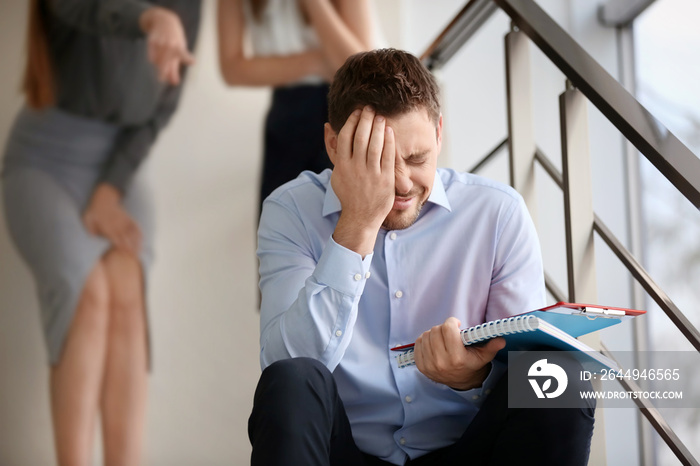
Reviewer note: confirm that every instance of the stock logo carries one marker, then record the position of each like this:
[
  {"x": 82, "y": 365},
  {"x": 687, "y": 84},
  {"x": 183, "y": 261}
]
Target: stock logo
[{"x": 543, "y": 372}]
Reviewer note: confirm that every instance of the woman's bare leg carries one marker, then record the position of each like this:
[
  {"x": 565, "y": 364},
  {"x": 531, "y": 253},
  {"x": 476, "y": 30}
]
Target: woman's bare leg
[
  {"x": 126, "y": 366},
  {"x": 75, "y": 382}
]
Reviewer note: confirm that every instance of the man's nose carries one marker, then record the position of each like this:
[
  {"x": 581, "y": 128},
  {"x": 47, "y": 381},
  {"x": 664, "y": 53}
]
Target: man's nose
[{"x": 403, "y": 181}]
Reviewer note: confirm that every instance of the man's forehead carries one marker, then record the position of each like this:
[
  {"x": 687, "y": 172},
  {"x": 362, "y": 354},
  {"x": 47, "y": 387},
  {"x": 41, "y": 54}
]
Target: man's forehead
[
  {"x": 418, "y": 111},
  {"x": 414, "y": 132}
]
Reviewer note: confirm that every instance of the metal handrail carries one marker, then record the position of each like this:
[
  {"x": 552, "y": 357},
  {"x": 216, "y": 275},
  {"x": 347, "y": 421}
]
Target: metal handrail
[
  {"x": 655, "y": 418},
  {"x": 633, "y": 266},
  {"x": 460, "y": 30},
  {"x": 647, "y": 409},
  {"x": 671, "y": 157},
  {"x": 487, "y": 158},
  {"x": 644, "y": 279},
  {"x": 553, "y": 289},
  {"x": 666, "y": 152}
]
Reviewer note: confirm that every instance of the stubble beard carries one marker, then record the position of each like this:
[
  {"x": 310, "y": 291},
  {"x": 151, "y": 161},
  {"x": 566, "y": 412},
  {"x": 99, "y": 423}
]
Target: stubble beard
[{"x": 402, "y": 219}]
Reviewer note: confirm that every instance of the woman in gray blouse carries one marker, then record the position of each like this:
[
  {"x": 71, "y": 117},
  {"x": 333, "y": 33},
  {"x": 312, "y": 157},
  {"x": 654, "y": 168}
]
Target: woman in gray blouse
[{"x": 102, "y": 79}]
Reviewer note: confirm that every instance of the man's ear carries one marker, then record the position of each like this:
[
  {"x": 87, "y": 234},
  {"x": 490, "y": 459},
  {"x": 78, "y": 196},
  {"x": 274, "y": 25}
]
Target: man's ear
[{"x": 331, "y": 139}]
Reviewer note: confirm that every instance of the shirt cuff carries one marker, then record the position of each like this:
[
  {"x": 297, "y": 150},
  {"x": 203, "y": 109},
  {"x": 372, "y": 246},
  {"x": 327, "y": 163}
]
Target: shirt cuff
[
  {"x": 342, "y": 269},
  {"x": 477, "y": 396}
]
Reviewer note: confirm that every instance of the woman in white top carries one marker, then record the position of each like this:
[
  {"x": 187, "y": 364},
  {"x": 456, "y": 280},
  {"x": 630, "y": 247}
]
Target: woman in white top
[{"x": 296, "y": 47}]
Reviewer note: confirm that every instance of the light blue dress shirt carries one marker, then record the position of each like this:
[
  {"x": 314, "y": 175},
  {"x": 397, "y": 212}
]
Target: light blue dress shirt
[{"x": 473, "y": 253}]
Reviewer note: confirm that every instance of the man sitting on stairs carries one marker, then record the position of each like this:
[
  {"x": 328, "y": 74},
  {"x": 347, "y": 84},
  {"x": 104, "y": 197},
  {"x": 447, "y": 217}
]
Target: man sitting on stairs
[{"x": 387, "y": 249}]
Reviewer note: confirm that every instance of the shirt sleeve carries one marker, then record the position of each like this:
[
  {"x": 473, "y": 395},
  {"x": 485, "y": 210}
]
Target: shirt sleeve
[
  {"x": 108, "y": 17},
  {"x": 134, "y": 142},
  {"x": 309, "y": 304},
  {"x": 517, "y": 280},
  {"x": 478, "y": 395}
]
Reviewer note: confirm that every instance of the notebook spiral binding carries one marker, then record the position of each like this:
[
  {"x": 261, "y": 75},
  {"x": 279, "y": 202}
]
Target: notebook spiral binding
[{"x": 481, "y": 332}]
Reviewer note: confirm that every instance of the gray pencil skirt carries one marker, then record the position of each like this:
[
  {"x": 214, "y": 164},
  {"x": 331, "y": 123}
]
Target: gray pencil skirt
[{"x": 52, "y": 163}]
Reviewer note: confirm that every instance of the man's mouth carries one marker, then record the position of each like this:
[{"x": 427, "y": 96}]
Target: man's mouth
[{"x": 403, "y": 203}]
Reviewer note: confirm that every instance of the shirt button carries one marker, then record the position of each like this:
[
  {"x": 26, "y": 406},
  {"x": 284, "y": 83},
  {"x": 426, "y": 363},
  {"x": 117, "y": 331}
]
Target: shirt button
[
  {"x": 338, "y": 333},
  {"x": 487, "y": 391},
  {"x": 398, "y": 294},
  {"x": 408, "y": 399},
  {"x": 367, "y": 275},
  {"x": 357, "y": 277},
  {"x": 475, "y": 397},
  {"x": 392, "y": 236},
  {"x": 402, "y": 441}
]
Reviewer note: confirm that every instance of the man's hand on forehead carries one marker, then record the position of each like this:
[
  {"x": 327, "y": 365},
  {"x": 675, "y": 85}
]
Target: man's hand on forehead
[{"x": 363, "y": 178}]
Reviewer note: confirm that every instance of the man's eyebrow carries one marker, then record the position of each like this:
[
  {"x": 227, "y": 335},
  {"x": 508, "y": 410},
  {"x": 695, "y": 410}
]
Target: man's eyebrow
[{"x": 417, "y": 155}]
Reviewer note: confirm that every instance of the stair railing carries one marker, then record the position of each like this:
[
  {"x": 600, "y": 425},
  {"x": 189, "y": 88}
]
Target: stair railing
[{"x": 587, "y": 81}]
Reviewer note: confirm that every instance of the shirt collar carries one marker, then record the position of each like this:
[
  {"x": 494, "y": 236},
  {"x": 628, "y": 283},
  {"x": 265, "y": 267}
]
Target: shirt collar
[{"x": 331, "y": 203}]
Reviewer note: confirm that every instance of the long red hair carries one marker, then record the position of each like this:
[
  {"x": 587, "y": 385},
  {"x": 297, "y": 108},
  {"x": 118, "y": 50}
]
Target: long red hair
[{"x": 38, "y": 82}]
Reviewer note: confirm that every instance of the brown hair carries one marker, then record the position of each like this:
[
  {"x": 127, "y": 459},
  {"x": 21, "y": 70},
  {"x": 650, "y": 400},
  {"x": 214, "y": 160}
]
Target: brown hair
[
  {"x": 38, "y": 83},
  {"x": 392, "y": 81}
]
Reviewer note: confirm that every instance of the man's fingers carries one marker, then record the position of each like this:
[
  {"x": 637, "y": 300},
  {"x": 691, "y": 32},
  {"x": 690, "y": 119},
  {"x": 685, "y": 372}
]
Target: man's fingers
[
  {"x": 437, "y": 340},
  {"x": 486, "y": 352},
  {"x": 423, "y": 351},
  {"x": 346, "y": 136},
  {"x": 362, "y": 135},
  {"x": 389, "y": 152},
  {"x": 418, "y": 353},
  {"x": 451, "y": 336},
  {"x": 493, "y": 346},
  {"x": 376, "y": 144}
]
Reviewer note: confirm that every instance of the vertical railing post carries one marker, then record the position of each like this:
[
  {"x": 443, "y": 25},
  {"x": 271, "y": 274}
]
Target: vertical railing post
[
  {"x": 579, "y": 218},
  {"x": 578, "y": 196},
  {"x": 521, "y": 137}
]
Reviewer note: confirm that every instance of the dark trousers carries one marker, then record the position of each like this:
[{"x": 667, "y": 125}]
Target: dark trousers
[
  {"x": 294, "y": 135},
  {"x": 299, "y": 419}
]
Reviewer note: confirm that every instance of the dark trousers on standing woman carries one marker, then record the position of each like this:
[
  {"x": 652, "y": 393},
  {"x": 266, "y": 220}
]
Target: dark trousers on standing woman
[{"x": 299, "y": 419}]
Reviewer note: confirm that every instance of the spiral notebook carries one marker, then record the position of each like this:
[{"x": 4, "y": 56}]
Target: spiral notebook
[{"x": 554, "y": 326}]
